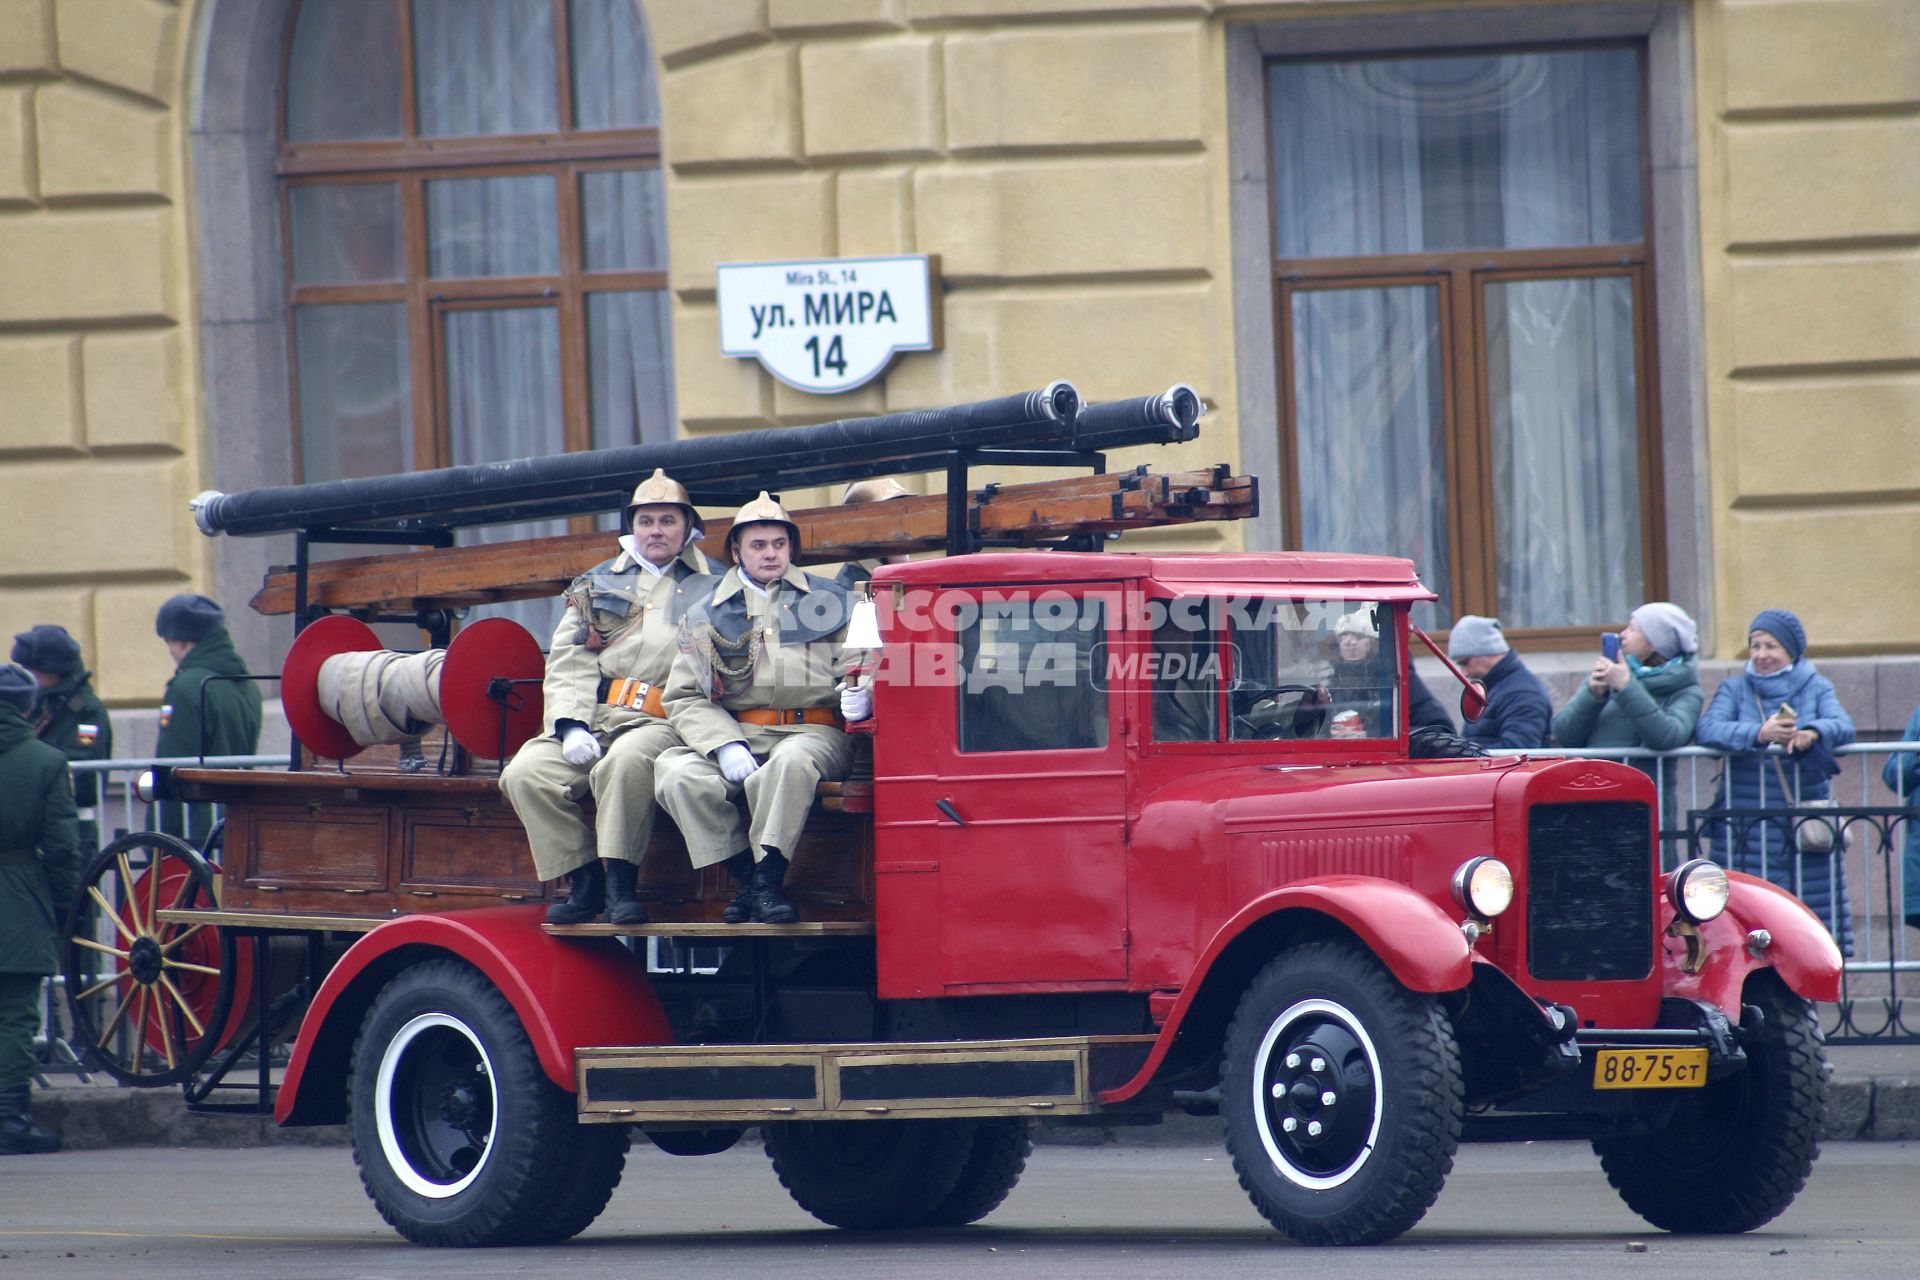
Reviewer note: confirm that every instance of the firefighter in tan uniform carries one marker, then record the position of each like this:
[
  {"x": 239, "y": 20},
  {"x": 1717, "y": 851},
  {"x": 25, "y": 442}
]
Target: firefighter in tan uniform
[
  {"x": 755, "y": 697},
  {"x": 605, "y": 718}
]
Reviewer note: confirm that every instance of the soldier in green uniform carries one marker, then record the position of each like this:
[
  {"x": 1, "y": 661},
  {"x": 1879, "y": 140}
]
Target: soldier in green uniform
[
  {"x": 195, "y": 629},
  {"x": 71, "y": 716},
  {"x": 39, "y": 871}
]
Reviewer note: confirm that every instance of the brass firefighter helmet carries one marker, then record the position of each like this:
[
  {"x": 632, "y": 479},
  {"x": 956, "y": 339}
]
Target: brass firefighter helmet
[
  {"x": 661, "y": 488},
  {"x": 878, "y": 489},
  {"x": 762, "y": 510}
]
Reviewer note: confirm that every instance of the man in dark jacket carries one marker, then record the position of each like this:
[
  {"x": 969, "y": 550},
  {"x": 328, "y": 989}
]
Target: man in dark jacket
[
  {"x": 1518, "y": 711},
  {"x": 195, "y": 629},
  {"x": 39, "y": 870},
  {"x": 71, "y": 716}
]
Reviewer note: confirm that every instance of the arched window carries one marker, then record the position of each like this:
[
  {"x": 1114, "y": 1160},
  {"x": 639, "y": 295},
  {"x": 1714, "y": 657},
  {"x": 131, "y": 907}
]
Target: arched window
[{"x": 475, "y": 231}]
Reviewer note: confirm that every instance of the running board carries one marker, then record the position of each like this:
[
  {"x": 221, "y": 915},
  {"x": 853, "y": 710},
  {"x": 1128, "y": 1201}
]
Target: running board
[{"x": 749, "y": 1083}]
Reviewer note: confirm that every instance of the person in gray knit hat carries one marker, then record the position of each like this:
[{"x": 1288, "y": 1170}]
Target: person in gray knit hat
[
  {"x": 201, "y": 715},
  {"x": 1649, "y": 698},
  {"x": 39, "y": 872},
  {"x": 1517, "y": 709}
]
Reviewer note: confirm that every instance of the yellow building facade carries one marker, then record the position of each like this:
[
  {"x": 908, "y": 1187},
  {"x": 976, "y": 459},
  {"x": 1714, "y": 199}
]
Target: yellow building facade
[{"x": 1097, "y": 179}]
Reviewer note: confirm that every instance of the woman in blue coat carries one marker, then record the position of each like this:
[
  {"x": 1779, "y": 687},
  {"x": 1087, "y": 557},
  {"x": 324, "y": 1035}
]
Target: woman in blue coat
[
  {"x": 1902, "y": 773},
  {"x": 1779, "y": 700}
]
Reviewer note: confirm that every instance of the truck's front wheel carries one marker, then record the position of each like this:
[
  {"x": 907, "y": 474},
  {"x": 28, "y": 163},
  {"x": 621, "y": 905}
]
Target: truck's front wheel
[
  {"x": 460, "y": 1137},
  {"x": 1341, "y": 1094},
  {"x": 1738, "y": 1152}
]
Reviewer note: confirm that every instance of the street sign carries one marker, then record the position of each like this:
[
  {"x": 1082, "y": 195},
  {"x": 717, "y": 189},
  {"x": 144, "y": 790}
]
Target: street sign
[{"x": 832, "y": 324}]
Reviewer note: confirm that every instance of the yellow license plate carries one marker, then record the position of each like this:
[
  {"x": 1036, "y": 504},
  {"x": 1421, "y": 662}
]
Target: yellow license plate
[{"x": 1649, "y": 1068}]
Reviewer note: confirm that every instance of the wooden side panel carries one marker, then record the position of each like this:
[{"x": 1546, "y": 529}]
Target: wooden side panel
[{"x": 306, "y": 857}]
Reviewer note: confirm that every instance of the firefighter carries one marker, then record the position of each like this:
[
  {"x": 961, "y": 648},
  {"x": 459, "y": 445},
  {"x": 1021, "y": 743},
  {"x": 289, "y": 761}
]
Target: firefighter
[
  {"x": 71, "y": 715},
  {"x": 605, "y": 722},
  {"x": 195, "y": 631},
  {"x": 39, "y": 871},
  {"x": 755, "y": 697},
  {"x": 859, "y": 493}
]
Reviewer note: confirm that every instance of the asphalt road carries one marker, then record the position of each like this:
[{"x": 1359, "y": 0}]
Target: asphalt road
[{"x": 1105, "y": 1213}]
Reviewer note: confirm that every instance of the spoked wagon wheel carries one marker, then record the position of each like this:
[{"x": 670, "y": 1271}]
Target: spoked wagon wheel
[{"x": 150, "y": 1000}]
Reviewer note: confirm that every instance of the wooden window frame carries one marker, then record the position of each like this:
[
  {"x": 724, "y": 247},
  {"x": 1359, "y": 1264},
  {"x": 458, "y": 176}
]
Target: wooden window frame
[
  {"x": 1461, "y": 276},
  {"x": 410, "y": 162}
]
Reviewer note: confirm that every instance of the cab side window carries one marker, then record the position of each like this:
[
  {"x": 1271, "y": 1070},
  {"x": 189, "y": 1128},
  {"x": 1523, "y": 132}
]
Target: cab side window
[{"x": 1027, "y": 678}]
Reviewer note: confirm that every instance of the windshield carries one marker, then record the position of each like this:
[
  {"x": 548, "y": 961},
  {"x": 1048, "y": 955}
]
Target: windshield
[{"x": 1276, "y": 670}]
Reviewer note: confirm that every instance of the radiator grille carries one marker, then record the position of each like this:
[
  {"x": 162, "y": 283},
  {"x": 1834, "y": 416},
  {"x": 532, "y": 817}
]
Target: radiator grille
[{"x": 1589, "y": 892}]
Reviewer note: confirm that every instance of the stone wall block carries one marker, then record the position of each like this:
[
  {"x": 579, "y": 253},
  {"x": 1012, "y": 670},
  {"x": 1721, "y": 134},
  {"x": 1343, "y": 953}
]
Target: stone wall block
[
  {"x": 872, "y": 98},
  {"x": 16, "y": 147},
  {"x": 792, "y": 405},
  {"x": 1132, "y": 86},
  {"x": 1897, "y": 690},
  {"x": 91, "y": 265},
  {"x": 1851, "y": 435},
  {"x": 734, "y": 112},
  {"x": 130, "y": 664},
  {"x": 1831, "y": 566},
  {"x": 838, "y": 16},
  {"x": 39, "y": 404},
  {"x": 135, "y": 393},
  {"x": 1785, "y": 54},
  {"x": 713, "y": 390},
  {"x": 746, "y": 220},
  {"x": 1823, "y": 180},
  {"x": 1029, "y": 10},
  {"x": 684, "y": 33},
  {"x": 26, "y": 37},
  {"x": 125, "y": 516},
  {"x": 64, "y": 606},
  {"x": 1814, "y": 311},
  {"x": 129, "y": 44},
  {"x": 95, "y": 144},
  {"x": 1001, "y": 342},
  {"x": 874, "y": 208},
  {"x": 1119, "y": 217}
]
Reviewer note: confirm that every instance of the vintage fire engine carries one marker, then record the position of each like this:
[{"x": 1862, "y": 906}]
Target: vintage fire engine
[{"x": 1127, "y": 842}]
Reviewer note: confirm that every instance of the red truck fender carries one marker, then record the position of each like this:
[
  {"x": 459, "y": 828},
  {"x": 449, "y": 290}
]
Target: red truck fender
[
  {"x": 568, "y": 993},
  {"x": 1802, "y": 952},
  {"x": 1421, "y": 945}
]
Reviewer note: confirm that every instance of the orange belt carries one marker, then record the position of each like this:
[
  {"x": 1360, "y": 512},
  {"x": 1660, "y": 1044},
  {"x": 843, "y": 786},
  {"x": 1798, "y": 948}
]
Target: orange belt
[
  {"x": 636, "y": 693},
  {"x": 810, "y": 715}
]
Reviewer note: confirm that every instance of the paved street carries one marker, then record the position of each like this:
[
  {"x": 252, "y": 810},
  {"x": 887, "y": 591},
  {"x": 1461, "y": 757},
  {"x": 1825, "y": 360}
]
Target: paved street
[{"x": 1107, "y": 1212}]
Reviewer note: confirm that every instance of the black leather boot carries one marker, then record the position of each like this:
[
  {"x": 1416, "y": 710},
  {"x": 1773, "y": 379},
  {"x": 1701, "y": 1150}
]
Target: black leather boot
[
  {"x": 740, "y": 910},
  {"x": 623, "y": 878},
  {"x": 19, "y": 1135},
  {"x": 770, "y": 905},
  {"x": 586, "y": 896}
]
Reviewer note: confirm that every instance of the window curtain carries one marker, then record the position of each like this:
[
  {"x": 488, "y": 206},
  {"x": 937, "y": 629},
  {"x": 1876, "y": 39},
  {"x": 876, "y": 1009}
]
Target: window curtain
[{"x": 1394, "y": 156}]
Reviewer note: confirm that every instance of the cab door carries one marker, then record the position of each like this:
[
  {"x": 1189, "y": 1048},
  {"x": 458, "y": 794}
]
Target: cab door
[{"x": 1031, "y": 802}]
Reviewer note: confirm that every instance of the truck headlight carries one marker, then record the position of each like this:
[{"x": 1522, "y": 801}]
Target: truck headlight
[
  {"x": 1698, "y": 890},
  {"x": 1484, "y": 886}
]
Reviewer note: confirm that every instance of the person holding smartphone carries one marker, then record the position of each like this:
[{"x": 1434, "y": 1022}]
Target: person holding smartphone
[
  {"x": 1779, "y": 700},
  {"x": 1645, "y": 693}
]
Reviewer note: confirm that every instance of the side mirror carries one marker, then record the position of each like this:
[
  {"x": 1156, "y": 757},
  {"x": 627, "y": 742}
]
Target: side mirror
[{"x": 1473, "y": 701}]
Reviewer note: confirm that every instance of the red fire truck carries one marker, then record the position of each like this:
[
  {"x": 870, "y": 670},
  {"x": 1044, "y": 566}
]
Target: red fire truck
[{"x": 1129, "y": 841}]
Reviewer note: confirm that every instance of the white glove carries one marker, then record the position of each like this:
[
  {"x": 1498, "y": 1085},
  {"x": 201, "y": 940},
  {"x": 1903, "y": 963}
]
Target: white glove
[
  {"x": 577, "y": 746},
  {"x": 856, "y": 702},
  {"x": 736, "y": 762}
]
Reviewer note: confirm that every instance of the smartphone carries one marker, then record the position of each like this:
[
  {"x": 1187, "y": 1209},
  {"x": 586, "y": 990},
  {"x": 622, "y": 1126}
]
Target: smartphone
[{"x": 1610, "y": 645}]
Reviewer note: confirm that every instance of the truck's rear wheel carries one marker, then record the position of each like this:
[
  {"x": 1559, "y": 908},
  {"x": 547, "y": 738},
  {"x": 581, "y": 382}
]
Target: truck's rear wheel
[
  {"x": 460, "y": 1137},
  {"x": 994, "y": 1164},
  {"x": 1737, "y": 1154},
  {"x": 1342, "y": 1098},
  {"x": 869, "y": 1175}
]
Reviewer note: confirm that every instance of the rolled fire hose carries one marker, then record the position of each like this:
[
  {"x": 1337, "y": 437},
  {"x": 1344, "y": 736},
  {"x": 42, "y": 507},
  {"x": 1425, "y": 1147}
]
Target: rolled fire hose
[{"x": 381, "y": 696}]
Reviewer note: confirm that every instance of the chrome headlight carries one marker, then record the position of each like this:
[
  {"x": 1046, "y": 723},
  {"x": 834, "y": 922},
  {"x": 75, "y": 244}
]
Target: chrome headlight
[
  {"x": 1483, "y": 886},
  {"x": 1699, "y": 890}
]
